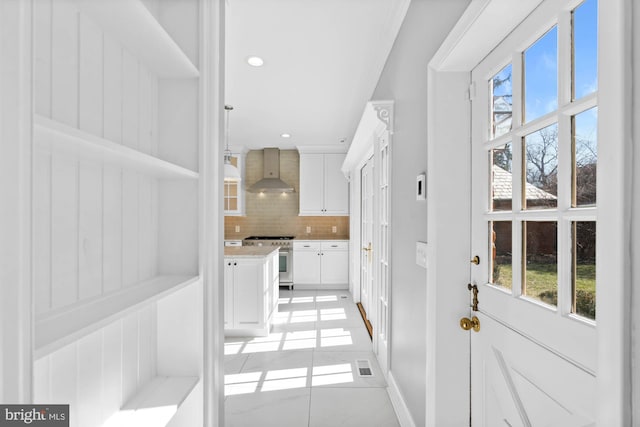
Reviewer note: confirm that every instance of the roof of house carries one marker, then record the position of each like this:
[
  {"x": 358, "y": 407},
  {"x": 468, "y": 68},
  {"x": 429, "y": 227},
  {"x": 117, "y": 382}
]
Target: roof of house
[{"x": 502, "y": 189}]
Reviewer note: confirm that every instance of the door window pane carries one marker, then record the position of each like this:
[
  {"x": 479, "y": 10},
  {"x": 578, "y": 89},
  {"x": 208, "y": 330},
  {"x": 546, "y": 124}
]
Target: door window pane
[
  {"x": 585, "y": 137},
  {"x": 541, "y": 76},
  {"x": 585, "y": 49},
  {"x": 500, "y": 246},
  {"x": 584, "y": 268},
  {"x": 540, "y": 256},
  {"x": 501, "y": 104},
  {"x": 501, "y": 178},
  {"x": 541, "y": 168}
]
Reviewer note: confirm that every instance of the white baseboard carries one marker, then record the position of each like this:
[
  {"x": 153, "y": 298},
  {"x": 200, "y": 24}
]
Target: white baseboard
[{"x": 399, "y": 405}]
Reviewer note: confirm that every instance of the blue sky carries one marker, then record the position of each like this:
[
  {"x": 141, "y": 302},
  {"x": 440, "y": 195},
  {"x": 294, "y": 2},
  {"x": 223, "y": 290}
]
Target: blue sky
[
  {"x": 541, "y": 63},
  {"x": 541, "y": 70}
]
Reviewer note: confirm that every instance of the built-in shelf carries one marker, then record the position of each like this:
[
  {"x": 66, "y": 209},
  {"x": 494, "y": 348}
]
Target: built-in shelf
[
  {"x": 60, "y": 327},
  {"x": 62, "y": 137},
  {"x": 140, "y": 32},
  {"x": 155, "y": 404}
]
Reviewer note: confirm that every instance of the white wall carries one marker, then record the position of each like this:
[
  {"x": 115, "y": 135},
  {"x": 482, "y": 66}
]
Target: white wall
[{"x": 404, "y": 80}]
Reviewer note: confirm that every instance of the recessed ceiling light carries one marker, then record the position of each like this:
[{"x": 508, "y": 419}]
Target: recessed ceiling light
[
  {"x": 286, "y": 135},
  {"x": 255, "y": 61}
]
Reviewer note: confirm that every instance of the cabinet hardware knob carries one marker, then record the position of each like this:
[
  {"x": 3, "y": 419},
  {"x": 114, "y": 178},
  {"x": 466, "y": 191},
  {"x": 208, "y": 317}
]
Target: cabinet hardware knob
[{"x": 235, "y": 263}]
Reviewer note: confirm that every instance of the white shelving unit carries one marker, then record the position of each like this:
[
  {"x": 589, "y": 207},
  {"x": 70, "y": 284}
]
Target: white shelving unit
[
  {"x": 118, "y": 311},
  {"x": 139, "y": 31},
  {"x": 66, "y": 139},
  {"x": 58, "y": 328}
]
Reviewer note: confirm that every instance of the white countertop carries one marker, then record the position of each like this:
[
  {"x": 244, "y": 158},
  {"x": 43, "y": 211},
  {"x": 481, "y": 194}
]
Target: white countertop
[{"x": 249, "y": 251}]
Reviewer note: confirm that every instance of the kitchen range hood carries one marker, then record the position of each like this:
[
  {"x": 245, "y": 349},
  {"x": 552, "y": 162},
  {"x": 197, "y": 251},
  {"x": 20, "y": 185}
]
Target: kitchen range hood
[{"x": 271, "y": 183}]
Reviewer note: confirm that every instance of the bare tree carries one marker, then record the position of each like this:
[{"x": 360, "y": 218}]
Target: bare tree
[{"x": 542, "y": 159}]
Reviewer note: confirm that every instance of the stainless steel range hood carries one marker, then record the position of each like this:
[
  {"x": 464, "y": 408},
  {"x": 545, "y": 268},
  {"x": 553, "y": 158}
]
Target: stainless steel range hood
[{"x": 271, "y": 183}]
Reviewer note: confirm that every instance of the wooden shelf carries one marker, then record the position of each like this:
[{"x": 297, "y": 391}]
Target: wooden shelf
[
  {"x": 155, "y": 404},
  {"x": 62, "y": 137},
  {"x": 60, "y": 327},
  {"x": 139, "y": 31}
]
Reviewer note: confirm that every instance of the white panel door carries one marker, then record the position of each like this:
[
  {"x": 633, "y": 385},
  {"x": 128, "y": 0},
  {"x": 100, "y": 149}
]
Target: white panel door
[
  {"x": 306, "y": 267},
  {"x": 228, "y": 293},
  {"x": 335, "y": 268},
  {"x": 248, "y": 278},
  {"x": 533, "y": 218}
]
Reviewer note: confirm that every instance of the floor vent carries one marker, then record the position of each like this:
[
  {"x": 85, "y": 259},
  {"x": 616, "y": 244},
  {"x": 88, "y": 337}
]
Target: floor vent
[{"x": 364, "y": 368}]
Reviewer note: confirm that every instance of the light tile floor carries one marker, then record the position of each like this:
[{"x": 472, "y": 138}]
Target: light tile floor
[{"x": 304, "y": 373}]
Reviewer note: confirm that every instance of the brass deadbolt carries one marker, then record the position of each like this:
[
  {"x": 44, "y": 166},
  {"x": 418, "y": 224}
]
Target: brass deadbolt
[{"x": 473, "y": 323}]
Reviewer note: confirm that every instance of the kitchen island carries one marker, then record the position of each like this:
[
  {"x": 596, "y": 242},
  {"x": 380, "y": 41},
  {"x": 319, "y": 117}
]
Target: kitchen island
[{"x": 251, "y": 289}]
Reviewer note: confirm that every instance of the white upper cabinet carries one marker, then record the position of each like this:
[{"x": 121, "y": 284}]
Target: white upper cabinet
[{"x": 323, "y": 188}]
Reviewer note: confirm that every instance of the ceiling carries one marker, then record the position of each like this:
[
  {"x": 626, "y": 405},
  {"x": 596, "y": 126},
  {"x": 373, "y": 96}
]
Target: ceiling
[{"x": 322, "y": 61}]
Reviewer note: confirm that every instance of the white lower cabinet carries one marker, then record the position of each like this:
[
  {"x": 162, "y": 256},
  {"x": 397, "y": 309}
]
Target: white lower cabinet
[
  {"x": 251, "y": 287},
  {"x": 321, "y": 264}
]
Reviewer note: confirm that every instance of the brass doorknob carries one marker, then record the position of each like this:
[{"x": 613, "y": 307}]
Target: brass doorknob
[
  {"x": 473, "y": 323},
  {"x": 475, "y": 260}
]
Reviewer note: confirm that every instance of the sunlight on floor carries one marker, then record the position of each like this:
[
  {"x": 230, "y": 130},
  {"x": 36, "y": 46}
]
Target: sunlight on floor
[
  {"x": 332, "y": 374},
  {"x": 335, "y": 337},
  {"x": 296, "y": 340},
  {"x": 284, "y": 379},
  {"x": 333, "y": 314}
]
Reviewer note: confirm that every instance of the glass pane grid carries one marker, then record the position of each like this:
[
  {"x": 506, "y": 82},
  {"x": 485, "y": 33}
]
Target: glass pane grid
[
  {"x": 541, "y": 76},
  {"x": 540, "y": 165},
  {"x": 584, "y": 61},
  {"x": 501, "y": 272},
  {"x": 501, "y": 89},
  {"x": 541, "y": 267},
  {"x": 540, "y": 261},
  {"x": 501, "y": 162},
  {"x": 583, "y": 269},
  {"x": 584, "y": 158}
]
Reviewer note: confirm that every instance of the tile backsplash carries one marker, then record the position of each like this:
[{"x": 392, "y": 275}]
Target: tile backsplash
[{"x": 277, "y": 214}]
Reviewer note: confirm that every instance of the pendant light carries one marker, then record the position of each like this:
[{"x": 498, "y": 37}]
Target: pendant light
[{"x": 231, "y": 173}]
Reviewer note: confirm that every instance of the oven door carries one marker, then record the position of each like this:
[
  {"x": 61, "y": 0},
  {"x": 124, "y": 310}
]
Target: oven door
[{"x": 286, "y": 264}]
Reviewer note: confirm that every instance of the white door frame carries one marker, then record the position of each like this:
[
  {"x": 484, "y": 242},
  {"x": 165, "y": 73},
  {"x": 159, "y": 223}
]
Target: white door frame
[
  {"x": 377, "y": 119},
  {"x": 466, "y": 45},
  {"x": 16, "y": 285},
  {"x": 211, "y": 212}
]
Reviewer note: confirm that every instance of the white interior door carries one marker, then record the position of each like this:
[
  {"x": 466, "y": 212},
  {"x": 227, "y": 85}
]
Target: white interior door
[
  {"x": 534, "y": 158},
  {"x": 366, "y": 240}
]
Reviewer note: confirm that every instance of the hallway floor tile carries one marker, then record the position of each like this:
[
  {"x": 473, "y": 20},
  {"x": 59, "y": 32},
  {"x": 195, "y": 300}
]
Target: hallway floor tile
[{"x": 305, "y": 372}]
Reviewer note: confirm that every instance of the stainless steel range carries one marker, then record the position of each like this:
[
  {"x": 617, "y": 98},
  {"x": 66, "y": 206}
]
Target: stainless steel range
[{"x": 286, "y": 253}]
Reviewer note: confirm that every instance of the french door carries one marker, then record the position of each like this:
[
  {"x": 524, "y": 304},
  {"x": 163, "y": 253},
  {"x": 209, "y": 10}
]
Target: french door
[
  {"x": 367, "y": 273},
  {"x": 533, "y": 220}
]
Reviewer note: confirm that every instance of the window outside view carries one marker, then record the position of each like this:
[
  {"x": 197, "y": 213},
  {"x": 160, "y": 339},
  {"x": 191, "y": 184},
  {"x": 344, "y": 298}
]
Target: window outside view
[{"x": 541, "y": 164}]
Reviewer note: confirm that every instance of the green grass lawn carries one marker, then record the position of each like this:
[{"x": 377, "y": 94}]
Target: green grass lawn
[{"x": 542, "y": 282}]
